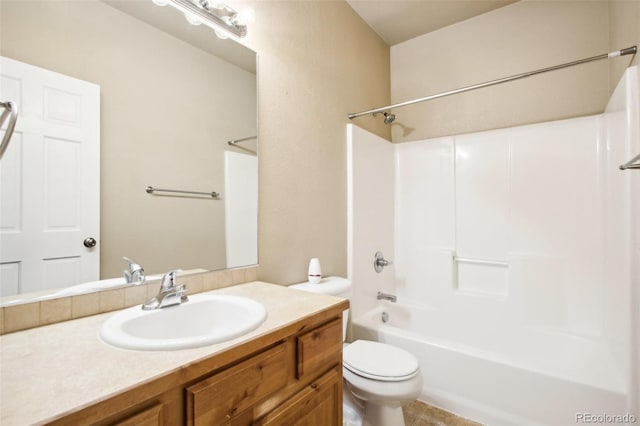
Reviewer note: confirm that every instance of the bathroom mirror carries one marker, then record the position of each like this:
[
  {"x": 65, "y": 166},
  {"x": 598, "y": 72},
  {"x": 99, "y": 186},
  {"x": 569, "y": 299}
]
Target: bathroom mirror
[{"x": 171, "y": 96}]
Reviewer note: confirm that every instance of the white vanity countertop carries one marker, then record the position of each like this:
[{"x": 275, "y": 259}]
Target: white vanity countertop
[{"x": 49, "y": 371}]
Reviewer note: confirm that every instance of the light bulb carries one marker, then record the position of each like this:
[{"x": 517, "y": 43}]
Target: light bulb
[
  {"x": 160, "y": 2},
  {"x": 217, "y": 4},
  {"x": 192, "y": 19},
  {"x": 246, "y": 16}
]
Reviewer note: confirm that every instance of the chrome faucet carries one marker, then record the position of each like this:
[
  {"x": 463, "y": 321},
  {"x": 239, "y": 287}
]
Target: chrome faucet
[
  {"x": 385, "y": 296},
  {"x": 171, "y": 293},
  {"x": 135, "y": 273}
]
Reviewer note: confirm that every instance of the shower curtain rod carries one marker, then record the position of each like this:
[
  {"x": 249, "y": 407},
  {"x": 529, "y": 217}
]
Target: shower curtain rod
[{"x": 622, "y": 52}]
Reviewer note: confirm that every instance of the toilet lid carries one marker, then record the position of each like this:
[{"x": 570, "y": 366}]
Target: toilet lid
[{"x": 379, "y": 361}]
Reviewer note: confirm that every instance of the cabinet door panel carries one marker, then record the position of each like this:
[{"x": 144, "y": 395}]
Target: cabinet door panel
[
  {"x": 319, "y": 404},
  {"x": 319, "y": 348},
  {"x": 223, "y": 396},
  {"x": 149, "y": 417}
]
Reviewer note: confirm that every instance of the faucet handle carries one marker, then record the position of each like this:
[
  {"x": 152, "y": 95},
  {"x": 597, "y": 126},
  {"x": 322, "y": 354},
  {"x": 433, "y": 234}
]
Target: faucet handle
[
  {"x": 135, "y": 272},
  {"x": 169, "y": 280},
  {"x": 380, "y": 262}
]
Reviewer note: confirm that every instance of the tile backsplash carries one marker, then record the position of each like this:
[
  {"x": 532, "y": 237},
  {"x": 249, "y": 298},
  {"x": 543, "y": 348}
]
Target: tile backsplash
[{"x": 44, "y": 312}]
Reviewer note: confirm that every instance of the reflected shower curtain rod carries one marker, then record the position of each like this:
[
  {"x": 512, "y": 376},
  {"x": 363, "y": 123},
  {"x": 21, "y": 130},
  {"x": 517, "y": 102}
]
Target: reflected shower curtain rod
[{"x": 627, "y": 51}]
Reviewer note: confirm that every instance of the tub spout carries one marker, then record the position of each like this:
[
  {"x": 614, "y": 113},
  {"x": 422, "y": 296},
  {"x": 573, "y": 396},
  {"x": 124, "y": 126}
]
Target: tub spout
[{"x": 385, "y": 296}]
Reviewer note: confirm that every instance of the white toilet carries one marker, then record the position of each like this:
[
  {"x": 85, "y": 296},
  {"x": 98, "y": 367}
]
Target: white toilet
[{"x": 381, "y": 377}]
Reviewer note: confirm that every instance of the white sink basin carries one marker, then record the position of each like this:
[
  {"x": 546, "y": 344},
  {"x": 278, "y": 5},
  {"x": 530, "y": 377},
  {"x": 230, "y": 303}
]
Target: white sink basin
[{"x": 203, "y": 320}]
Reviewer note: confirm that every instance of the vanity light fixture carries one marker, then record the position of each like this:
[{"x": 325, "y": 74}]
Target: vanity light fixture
[
  {"x": 192, "y": 19},
  {"x": 218, "y": 16}
]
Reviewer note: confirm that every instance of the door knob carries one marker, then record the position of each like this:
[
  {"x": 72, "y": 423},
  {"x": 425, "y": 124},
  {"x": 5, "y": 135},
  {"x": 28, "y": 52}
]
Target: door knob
[{"x": 90, "y": 242}]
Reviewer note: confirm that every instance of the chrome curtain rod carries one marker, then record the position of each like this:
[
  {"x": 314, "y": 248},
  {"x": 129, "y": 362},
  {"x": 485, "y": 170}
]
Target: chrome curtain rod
[
  {"x": 622, "y": 52},
  {"x": 151, "y": 190}
]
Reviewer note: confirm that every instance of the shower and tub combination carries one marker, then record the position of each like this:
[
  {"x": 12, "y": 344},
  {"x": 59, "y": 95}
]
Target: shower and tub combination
[{"x": 515, "y": 263}]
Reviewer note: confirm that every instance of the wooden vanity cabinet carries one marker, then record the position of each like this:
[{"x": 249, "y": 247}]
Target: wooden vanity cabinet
[
  {"x": 219, "y": 398},
  {"x": 297, "y": 380},
  {"x": 124, "y": 410},
  {"x": 318, "y": 404},
  {"x": 152, "y": 416},
  {"x": 294, "y": 380}
]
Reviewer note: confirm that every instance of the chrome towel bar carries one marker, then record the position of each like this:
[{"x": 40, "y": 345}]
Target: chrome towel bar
[
  {"x": 234, "y": 143},
  {"x": 151, "y": 190},
  {"x": 634, "y": 163}
]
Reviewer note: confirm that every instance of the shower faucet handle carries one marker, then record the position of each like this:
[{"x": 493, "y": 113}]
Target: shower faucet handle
[{"x": 380, "y": 262}]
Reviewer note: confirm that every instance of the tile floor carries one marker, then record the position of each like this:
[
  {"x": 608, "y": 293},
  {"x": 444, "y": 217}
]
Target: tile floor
[{"x": 418, "y": 413}]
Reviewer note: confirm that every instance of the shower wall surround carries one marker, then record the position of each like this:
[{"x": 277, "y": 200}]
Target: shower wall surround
[
  {"x": 370, "y": 214},
  {"x": 518, "y": 242},
  {"x": 517, "y": 220}
]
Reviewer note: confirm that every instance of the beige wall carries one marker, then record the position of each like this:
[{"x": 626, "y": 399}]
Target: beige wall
[
  {"x": 521, "y": 37},
  {"x": 318, "y": 61},
  {"x": 157, "y": 125}
]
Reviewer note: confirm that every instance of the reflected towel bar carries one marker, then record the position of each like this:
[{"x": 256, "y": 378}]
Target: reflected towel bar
[
  {"x": 634, "y": 163},
  {"x": 234, "y": 143},
  {"x": 151, "y": 190}
]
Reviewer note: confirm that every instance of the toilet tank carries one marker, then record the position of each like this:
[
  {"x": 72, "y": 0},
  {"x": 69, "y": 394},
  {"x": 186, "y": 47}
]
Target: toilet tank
[{"x": 334, "y": 286}]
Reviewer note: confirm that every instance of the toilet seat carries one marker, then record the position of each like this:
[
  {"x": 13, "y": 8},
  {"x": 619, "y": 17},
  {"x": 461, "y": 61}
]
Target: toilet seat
[{"x": 379, "y": 361}]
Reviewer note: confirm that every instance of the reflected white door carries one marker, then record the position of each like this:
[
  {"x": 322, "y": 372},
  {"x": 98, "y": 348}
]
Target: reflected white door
[{"x": 49, "y": 181}]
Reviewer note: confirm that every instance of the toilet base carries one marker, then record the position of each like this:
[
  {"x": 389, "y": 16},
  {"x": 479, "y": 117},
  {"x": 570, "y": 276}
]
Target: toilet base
[
  {"x": 352, "y": 409},
  {"x": 382, "y": 415}
]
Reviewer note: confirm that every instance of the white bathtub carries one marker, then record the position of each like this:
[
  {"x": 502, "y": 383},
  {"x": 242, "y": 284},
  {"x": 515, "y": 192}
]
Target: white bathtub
[{"x": 505, "y": 376}]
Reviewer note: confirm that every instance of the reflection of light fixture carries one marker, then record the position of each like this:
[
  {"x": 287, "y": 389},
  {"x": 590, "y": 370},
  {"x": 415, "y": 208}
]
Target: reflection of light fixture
[
  {"x": 221, "y": 34},
  {"x": 192, "y": 19},
  {"x": 214, "y": 14}
]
